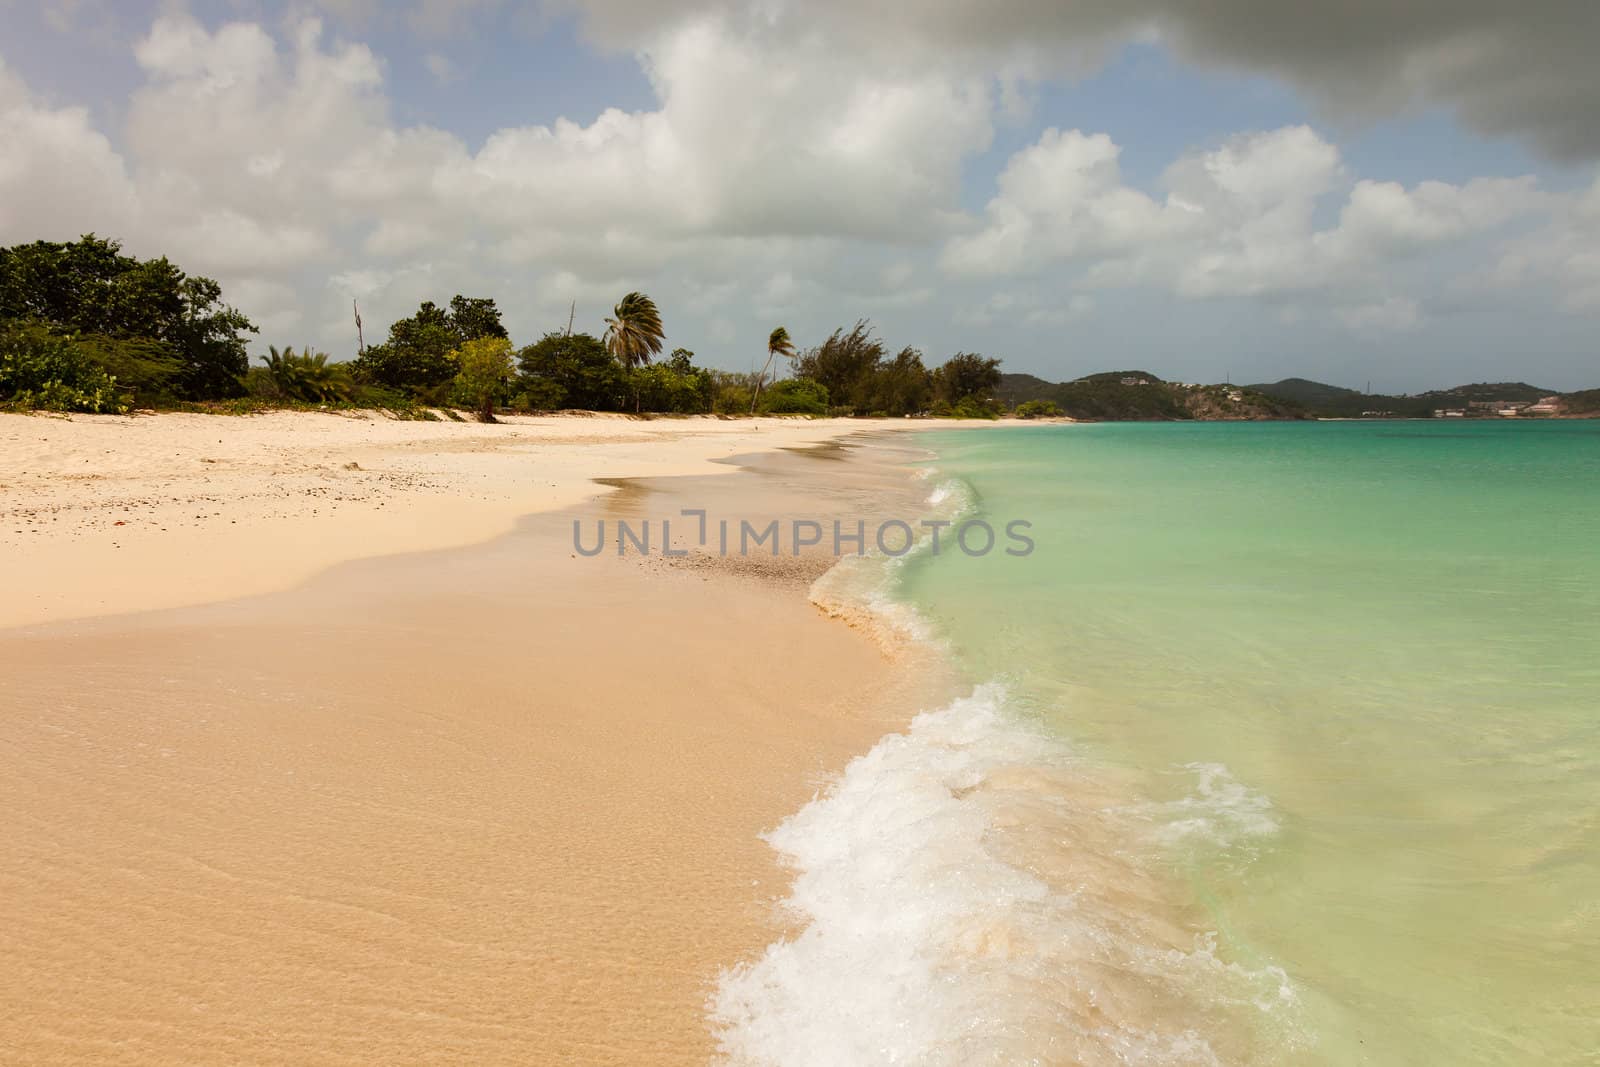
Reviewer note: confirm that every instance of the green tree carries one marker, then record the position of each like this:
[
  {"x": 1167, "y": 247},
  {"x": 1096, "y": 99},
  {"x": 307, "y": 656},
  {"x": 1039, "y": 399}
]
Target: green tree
[
  {"x": 634, "y": 333},
  {"x": 902, "y": 385},
  {"x": 89, "y": 288},
  {"x": 570, "y": 371},
  {"x": 845, "y": 365},
  {"x": 418, "y": 356},
  {"x": 486, "y": 370},
  {"x": 472, "y": 317},
  {"x": 778, "y": 344},
  {"x": 964, "y": 375}
]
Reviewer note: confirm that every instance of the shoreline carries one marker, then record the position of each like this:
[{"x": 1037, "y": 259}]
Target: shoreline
[
  {"x": 492, "y": 802},
  {"x": 103, "y": 515}
]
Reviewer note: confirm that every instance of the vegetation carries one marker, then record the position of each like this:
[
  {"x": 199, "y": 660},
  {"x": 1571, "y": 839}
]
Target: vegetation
[
  {"x": 676, "y": 386},
  {"x": 634, "y": 334},
  {"x": 1038, "y": 409},
  {"x": 484, "y": 375},
  {"x": 161, "y": 334},
  {"x": 1331, "y": 401},
  {"x": 48, "y": 371},
  {"x": 1137, "y": 395},
  {"x": 795, "y": 396},
  {"x": 965, "y": 387},
  {"x": 569, "y": 371},
  {"x": 308, "y": 376},
  {"x": 778, "y": 344},
  {"x": 853, "y": 368},
  {"x": 418, "y": 359}
]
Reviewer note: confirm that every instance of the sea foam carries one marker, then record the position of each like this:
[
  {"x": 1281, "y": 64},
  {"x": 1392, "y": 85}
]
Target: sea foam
[{"x": 968, "y": 896}]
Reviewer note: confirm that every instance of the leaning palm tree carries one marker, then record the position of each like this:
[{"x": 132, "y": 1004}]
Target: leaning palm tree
[
  {"x": 634, "y": 333},
  {"x": 778, "y": 344}
]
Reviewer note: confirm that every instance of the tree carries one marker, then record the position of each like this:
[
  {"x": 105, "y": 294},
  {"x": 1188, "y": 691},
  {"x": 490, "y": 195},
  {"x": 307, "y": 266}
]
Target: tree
[
  {"x": 472, "y": 317},
  {"x": 634, "y": 333},
  {"x": 88, "y": 287},
  {"x": 902, "y": 386},
  {"x": 778, "y": 344},
  {"x": 570, "y": 371},
  {"x": 966, "y": 374},
  {"x": 845, "y": 364},
  {"x": 485, "y": 364},
  {"x": 418, "y": 357}
]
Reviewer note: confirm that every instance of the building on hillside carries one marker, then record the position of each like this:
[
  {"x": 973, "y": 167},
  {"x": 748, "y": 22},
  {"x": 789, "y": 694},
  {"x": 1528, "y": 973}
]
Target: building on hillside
[{"x": 1548, "y": 405}]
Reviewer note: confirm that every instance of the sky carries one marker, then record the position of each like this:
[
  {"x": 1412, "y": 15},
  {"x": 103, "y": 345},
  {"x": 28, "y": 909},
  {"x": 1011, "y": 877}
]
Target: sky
[{"x": 1404, "y": 193}]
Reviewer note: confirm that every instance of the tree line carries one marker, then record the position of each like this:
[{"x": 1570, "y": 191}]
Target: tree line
[{"x": 84, "y": 327}]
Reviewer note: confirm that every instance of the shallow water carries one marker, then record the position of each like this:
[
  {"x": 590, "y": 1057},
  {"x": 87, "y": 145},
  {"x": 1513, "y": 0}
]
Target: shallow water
[{"x": 1284, "y": 749}]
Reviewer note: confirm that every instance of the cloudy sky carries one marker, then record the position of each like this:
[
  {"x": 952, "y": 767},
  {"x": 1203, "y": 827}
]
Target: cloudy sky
[{"x": 1400, "y": 191}]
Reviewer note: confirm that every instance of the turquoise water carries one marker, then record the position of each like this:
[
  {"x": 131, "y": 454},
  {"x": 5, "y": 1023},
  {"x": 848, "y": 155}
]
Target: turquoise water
[{"x": 1349, "y": 673}]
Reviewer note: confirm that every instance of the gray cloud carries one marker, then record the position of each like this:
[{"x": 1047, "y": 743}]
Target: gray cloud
[{"x": 1523, "y": 71}]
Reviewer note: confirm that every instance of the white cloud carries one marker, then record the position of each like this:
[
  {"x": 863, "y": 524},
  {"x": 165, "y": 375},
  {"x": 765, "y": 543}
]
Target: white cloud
[
  {"x": 1563, "y": 257},
  {"x": 1239, "y": 219}
]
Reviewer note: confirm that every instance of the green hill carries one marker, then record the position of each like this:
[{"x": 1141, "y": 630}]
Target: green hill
[
  {"x": 1136, "y": 395},
  {"x": 1332, "y": 401}
]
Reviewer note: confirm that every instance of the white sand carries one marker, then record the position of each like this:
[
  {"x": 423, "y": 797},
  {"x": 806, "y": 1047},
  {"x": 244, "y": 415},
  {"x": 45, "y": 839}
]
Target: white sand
[{"x": 104, "y": 514}]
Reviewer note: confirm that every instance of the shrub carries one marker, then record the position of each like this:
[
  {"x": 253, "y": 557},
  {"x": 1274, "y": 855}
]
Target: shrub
[
  {"x": 1038, "y": 409},
  {"x": 731, "y": 392},
  {"x": 47, "y": 371},
  {"x": 680, "y": 389},
  {"x": 306, "y": 376},
  {"x": 795, "y": 396},
  {"x": 968, "y": 407}
]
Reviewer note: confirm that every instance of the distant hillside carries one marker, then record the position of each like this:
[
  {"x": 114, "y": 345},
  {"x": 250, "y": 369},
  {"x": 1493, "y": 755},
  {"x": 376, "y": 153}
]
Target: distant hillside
[
  {"x": 1586, "y": 402},
  {"x": 1332, "y": 401},
  {"x": 1136, "y": 395},
  {"x": 1490, "y": 391}
]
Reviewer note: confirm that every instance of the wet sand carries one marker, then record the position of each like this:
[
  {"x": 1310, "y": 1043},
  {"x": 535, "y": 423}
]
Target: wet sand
[{"x": 497, "y": 804}]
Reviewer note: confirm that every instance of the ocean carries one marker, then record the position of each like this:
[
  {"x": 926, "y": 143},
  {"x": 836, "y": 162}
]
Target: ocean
[{"x": 1281, "y": 747}]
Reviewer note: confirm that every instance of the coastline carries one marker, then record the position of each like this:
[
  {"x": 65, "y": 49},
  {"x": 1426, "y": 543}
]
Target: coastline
[
  {"x": 104, "y": 514},
  {"x": 491, "y": 804}
]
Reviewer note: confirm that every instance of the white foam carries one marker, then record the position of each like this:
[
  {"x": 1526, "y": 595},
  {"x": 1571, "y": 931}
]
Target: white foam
[
  {"x": 936, "y": 932},
  {"x": 1221, "y": 812}
]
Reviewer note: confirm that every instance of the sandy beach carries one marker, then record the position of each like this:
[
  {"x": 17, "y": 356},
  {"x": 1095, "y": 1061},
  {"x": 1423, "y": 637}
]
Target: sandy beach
[
  {"x": 105, "y": 514},
  {"x": 385, "y": 771}
]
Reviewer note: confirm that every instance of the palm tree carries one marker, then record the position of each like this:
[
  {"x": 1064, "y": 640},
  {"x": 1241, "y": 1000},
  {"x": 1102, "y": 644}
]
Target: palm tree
[
  {"x": 778, "y": 344},
  {"x": 308, "y": 375},
  {"x": 634, "y": 333}
]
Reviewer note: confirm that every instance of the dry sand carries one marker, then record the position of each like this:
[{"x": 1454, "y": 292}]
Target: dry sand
[
  {"x": 490, "y": 804},
  {"x": 104, "y": 514}
]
